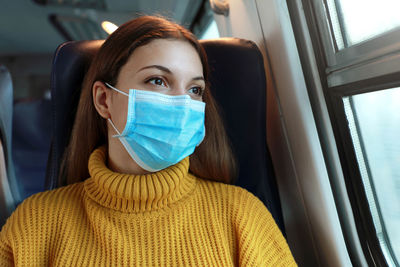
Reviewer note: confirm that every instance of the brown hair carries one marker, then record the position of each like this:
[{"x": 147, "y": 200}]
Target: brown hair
[{"x": 211, "y": 160}]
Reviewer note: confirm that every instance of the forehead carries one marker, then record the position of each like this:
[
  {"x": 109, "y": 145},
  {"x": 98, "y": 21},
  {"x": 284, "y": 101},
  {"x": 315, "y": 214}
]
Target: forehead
[{"x": 173, "y": 54}]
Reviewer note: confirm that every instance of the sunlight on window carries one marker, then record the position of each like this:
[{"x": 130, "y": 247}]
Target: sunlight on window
[
  {"x": 211, "y": 32},
  {"x": 360, "y": 20}
]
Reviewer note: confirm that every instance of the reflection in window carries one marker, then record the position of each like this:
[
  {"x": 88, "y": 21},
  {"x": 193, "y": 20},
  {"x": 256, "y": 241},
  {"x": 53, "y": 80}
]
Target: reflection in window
[
  {"x": 374, "y": 122},
  {"x": 358, "y": 20}
]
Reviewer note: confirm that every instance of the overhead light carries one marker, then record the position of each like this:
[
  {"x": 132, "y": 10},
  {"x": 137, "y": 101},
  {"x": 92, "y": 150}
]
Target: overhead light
[{"x": 109, "y": 27}]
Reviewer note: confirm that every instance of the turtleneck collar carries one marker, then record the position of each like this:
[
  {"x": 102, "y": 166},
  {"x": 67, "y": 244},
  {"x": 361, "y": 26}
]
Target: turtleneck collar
[{"x": 136, "y": 193}]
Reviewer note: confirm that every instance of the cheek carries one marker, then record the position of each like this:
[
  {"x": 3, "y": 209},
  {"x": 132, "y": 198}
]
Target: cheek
[{"x": 119, "y": 112}]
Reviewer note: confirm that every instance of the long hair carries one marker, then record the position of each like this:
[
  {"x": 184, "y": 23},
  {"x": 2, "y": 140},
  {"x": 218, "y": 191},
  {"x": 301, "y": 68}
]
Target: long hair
[{"x": 212, "y": 160}]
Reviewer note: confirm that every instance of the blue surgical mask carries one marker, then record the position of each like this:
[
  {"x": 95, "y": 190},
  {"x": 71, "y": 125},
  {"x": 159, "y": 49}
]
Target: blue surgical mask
[{"x": 160, "y": 130}]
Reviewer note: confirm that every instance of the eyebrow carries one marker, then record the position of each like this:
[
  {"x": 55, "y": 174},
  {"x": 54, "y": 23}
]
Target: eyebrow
[
  {"x": 164, "y": 69},
  {"x": 198, "y": 78},
  {"x": 157, "y": 67}
]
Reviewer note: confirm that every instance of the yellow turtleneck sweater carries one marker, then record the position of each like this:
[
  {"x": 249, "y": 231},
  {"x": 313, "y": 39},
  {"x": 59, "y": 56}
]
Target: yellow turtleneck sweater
[{"x": 167, "y": 218}]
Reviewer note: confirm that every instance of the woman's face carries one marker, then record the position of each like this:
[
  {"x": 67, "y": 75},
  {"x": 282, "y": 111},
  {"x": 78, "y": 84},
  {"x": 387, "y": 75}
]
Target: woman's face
[{"x": 171, "y": 67}]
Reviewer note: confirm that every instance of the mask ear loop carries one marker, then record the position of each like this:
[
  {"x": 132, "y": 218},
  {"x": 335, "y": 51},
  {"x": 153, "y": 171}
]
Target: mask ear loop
[
  {"x": 115, "y": 128},
  {"x": 109, "y": 120},
  {"x": 119, "y": 91}
]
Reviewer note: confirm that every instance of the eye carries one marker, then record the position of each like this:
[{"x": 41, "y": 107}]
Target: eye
[
  {"x": 197, "y": 90},
  {"x": 157, "y": 81}
]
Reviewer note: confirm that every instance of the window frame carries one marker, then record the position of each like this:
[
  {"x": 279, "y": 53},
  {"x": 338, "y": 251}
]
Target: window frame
[
  {"x": 353, "y": 179},
  {"x": 351, "y": 60},
  {"x": 333, "y": 66}
]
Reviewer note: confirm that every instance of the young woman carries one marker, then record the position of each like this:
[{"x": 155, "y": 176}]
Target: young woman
[{"x": 148, "y": 136}]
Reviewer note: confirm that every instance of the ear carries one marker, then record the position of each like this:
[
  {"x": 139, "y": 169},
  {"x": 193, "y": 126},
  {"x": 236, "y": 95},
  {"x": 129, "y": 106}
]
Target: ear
[{"x": 101, "y": 99}]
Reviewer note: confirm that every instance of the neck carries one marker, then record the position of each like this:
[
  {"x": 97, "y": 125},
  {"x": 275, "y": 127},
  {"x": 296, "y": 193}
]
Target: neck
[{"x": 120, "y": 161}]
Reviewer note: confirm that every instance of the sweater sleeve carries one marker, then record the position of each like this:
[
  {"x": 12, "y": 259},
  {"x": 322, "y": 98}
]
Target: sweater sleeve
[{"x": 260, "y": 242}]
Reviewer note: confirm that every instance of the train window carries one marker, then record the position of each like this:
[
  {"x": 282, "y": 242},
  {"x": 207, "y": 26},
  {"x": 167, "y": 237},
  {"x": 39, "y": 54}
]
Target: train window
[
  {"x": 211, "y": 31},
  {"x": 373, "y": 18},
  {"x": 351, "y": 71},
  {"x": 374, "y": 125},
  {"x": 204, "y": 25}
]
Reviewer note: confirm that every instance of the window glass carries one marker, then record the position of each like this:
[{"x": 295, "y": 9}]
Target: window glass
[
  {"x": 374, "y": 122},
  {"x": 211, "y": 31},
  {"x": 358, "y": 20},
  {"x": 335, "y": 24}
]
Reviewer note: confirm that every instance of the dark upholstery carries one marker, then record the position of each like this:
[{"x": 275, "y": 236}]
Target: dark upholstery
[
  {"x": 8, "y": 201},
  {"x": 238, "y": 84},
  {"x": 31, "y": 143},
  {"x": 70, "y": 63},
  {"x": 6, "y": 104}
]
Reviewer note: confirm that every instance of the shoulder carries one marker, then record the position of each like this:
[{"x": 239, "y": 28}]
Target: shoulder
[
  {"x": 234, "y": 193},
  {"x": 44, "y": 208},
  {"x": 236, "y": 198},
  {"x": 244, "y": 209},
  {"x": 259, "y": 240},
  {"x": 54, "y": 199}
]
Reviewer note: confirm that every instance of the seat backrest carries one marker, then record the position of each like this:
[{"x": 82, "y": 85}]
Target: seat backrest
[
  {"x": 70, "y": 63},
  {"x": 9, "y": 192},
  {"x": 31, "y": 142},
  {"x": 238, "y": 84}
]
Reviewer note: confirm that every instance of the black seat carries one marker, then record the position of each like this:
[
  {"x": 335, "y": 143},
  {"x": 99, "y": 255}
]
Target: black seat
[
  {"x": 9, "y": 191},
  {"x": 31, "y": 143},
  {"x": 237, "y": 83}
]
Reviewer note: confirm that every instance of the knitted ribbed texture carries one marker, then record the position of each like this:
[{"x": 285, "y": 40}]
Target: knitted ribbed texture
[{"x": 167, "y": 218}]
